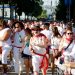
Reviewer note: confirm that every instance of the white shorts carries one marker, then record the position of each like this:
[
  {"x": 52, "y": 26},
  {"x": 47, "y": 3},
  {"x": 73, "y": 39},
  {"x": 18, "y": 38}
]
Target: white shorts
[
  {"x": 5, "y": 53},
  {"x": 36, "y": 62}
]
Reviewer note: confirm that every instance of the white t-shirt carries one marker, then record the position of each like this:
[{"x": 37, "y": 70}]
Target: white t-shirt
[
  {"x": 17, "y": 38},
  {"x": 55, "y": 42},
  {"x": 73, "y": 52}
]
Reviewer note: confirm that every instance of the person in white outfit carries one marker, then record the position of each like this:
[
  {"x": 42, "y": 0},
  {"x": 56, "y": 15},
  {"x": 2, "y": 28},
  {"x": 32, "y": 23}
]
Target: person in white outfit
[
  {"x": 6, "y": 44},
  {"x": 48, "y": 34},
  {"x": 67, "y": 51},
  {"x": 26, "y": 54},
  {"x": 38, "y": 44},
  {"x": 19, "y": 34},
  {"x": 55, "y": 41}
]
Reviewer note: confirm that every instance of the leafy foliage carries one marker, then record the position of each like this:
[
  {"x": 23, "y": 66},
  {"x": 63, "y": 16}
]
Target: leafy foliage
[
  {"x": 29, "y": 7},
  {"x": 37, "y": 10},
  {"x": 43, "y": 14},
  {"x": 61, "y": 11}
]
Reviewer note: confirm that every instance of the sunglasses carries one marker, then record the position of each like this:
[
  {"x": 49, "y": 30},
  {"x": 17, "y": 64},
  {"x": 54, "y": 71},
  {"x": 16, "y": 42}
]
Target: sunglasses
[{"x": 69, "y": 33}]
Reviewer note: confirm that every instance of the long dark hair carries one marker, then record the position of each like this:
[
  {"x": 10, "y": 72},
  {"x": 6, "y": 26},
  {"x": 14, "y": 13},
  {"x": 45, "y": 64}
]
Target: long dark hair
[
  {"x": 20, "y": 24},
  {"x": 28, "y": 31},
  {"x": 55, "y": 32}
]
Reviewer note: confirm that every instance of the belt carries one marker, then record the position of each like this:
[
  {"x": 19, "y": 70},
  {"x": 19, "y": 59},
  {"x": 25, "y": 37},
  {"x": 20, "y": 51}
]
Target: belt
[{"x": 17, "y": 46}]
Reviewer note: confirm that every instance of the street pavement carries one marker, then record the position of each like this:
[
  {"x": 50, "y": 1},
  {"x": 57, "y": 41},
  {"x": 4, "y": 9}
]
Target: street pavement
[{"x": 12, "y": 72}]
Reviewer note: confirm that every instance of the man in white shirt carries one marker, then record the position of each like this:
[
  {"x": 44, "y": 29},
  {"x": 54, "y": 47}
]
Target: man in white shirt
[{"x": 47, "y": 33}]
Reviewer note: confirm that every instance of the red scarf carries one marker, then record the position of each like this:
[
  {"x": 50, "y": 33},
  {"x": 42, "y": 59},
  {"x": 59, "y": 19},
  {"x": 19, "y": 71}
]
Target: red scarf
[{"x": 69, "y": 39}]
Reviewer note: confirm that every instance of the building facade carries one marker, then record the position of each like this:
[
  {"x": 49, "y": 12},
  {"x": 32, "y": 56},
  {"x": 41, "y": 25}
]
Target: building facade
[{"x": 50, "y": 6}]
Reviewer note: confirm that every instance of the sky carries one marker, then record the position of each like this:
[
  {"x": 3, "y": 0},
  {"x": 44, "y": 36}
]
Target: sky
[{"x": 49, "y": 4}]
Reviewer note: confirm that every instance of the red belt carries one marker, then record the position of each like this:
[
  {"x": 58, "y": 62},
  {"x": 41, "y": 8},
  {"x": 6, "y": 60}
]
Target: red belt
[
  {"x": 17, "y": 46},
  {"x": 44, "y": 63}
]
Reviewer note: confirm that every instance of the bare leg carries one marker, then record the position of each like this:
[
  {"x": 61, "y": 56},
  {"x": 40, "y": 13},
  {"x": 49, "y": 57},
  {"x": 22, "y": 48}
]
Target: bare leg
[
  {"x": 30, "y": 63},
  {"x": 52, "y": 64},
  {"x": 36, "y": 73},
  {"x": 5, "y": 68},
  {"x": 43, "y": 71},
  {"x": 26, "y": 62}
]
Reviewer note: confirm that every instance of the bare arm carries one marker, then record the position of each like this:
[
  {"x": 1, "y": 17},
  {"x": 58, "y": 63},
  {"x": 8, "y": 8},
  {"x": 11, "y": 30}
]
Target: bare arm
[
  {"x": 6, "y": 35},
  {"x": 61, "y": 45},
  {"x": 30, "y": 46}
]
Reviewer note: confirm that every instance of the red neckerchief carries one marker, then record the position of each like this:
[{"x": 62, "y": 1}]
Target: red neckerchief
[{"x": 69, "y": 39}]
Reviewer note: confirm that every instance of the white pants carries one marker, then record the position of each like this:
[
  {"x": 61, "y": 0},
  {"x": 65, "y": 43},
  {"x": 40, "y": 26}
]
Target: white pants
[
  {"x": 5, "y": 53},
  {"x": 18, "y": 61},
  {"x": 36, "y": 62},
  {"x": 73, "y": 71}
]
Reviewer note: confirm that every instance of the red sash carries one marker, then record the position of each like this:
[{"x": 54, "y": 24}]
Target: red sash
[{"x": 44, "y": 63}]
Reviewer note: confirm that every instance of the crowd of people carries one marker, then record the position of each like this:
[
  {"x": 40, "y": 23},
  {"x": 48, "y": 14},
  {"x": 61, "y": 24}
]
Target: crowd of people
[{"x": 37, "y": 45}]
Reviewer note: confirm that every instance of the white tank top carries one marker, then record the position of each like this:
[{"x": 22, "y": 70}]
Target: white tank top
[
  {"x": 55, "y": 43},
  {"x": 8, "y": 41},
  {"x": 26, "y": 49}
]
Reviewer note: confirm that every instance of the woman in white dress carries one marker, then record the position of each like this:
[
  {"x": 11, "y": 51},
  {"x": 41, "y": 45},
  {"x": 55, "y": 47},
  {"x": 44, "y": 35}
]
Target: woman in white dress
[{"x": 55, "y": 41}]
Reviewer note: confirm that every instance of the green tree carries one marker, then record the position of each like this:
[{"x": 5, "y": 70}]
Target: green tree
[
  {"x": 29, "y": 7},
  {"x": 61, "y": 11},
  {"x": 37, "y": 10},
  {"x": 43, "y": 14}
]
